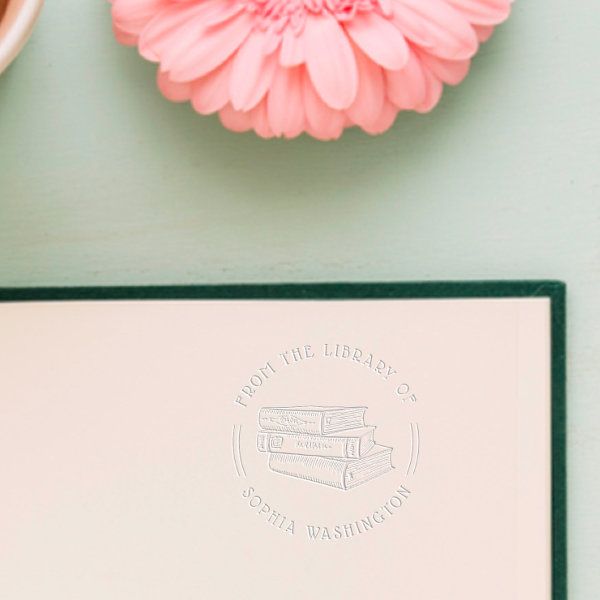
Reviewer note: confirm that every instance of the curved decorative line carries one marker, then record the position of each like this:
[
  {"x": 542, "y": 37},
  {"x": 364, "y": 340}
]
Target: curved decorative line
[
  {"x": 412, "y": 448},
  {"x": 418, "y": 445},
  {"x": 415, "y": 446},
  {"x": 237, "y": 470},
  {"x": 239, "y": 449}
]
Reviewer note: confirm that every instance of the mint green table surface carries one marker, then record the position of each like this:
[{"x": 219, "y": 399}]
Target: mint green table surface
[{"x": 104, "y": 182}]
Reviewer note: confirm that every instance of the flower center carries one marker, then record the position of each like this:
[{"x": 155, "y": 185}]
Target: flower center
[{"x": 277, "y": 14}]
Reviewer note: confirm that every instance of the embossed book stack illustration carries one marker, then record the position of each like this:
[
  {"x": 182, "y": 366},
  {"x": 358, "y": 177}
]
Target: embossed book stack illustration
[{"x": 326, "y": 445}]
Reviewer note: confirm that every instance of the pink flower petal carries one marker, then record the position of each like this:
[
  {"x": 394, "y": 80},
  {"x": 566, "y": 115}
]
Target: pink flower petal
[
  {"x": 433, "y": 92},
  {"x": 386, "y": 119},
  {"x": 285, "y": 104},
  {"x": 131, "y": 16},
  {"x": 324, "y": 122},
  {"x": 483, "y": 12},
  {"x": 127, "y": 39},
  {"x": 330, "y": 61},
  {"x": 252, "y": 73},
  {"x": 162, "y": 36},
  {"x": 451, "y": 72},
  {"x": 213, "y": 48},
  {"x": 379, "y": 39},
  {"x": 211, "y": 92},
  {"x": 236, "y": 120},
  {"x": 436, "y": 26},
  {"x": 260, "y": 121},
  {"x": 176, "y": 92},
  {"x": 484, "y": 33},
  {"x": 407, "y": 88},
  {"x": 367, "y": 106},
  {"x": 292, "y": 49}
]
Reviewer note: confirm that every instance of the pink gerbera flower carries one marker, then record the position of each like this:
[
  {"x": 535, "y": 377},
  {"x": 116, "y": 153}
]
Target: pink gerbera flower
[{"x": 284, "y": 67}]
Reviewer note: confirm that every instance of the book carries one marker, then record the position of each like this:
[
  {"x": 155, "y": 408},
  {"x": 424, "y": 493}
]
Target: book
[
  {"x": 342, "y": 473},
  {"x": 163, "y": 383},
  {"x": 352, "y": 443},
  {"x": 312, "y": 419}
]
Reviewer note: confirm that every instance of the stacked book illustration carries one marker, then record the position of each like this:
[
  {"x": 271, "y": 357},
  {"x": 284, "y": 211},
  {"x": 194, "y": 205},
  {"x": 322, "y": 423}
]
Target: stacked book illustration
[{"x": 326, "y": 445}]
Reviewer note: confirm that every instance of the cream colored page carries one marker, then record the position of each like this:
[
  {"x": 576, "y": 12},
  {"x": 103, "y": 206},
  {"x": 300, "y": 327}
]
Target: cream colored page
[{"x": 130, "y": 467}]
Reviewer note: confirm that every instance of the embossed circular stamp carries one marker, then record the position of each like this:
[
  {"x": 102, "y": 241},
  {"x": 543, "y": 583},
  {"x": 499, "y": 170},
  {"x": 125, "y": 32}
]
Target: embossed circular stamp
[{"x": 326, "y": 466}]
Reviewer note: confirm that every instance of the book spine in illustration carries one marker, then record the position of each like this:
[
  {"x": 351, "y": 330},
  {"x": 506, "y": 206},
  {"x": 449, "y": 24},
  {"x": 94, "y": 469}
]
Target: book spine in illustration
[
  {"x": 326, "y": 471},
  {"x": 312, "y": 445},
  {"x": 343, "y": 419},
  {"x": 296, "y": 421}
]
